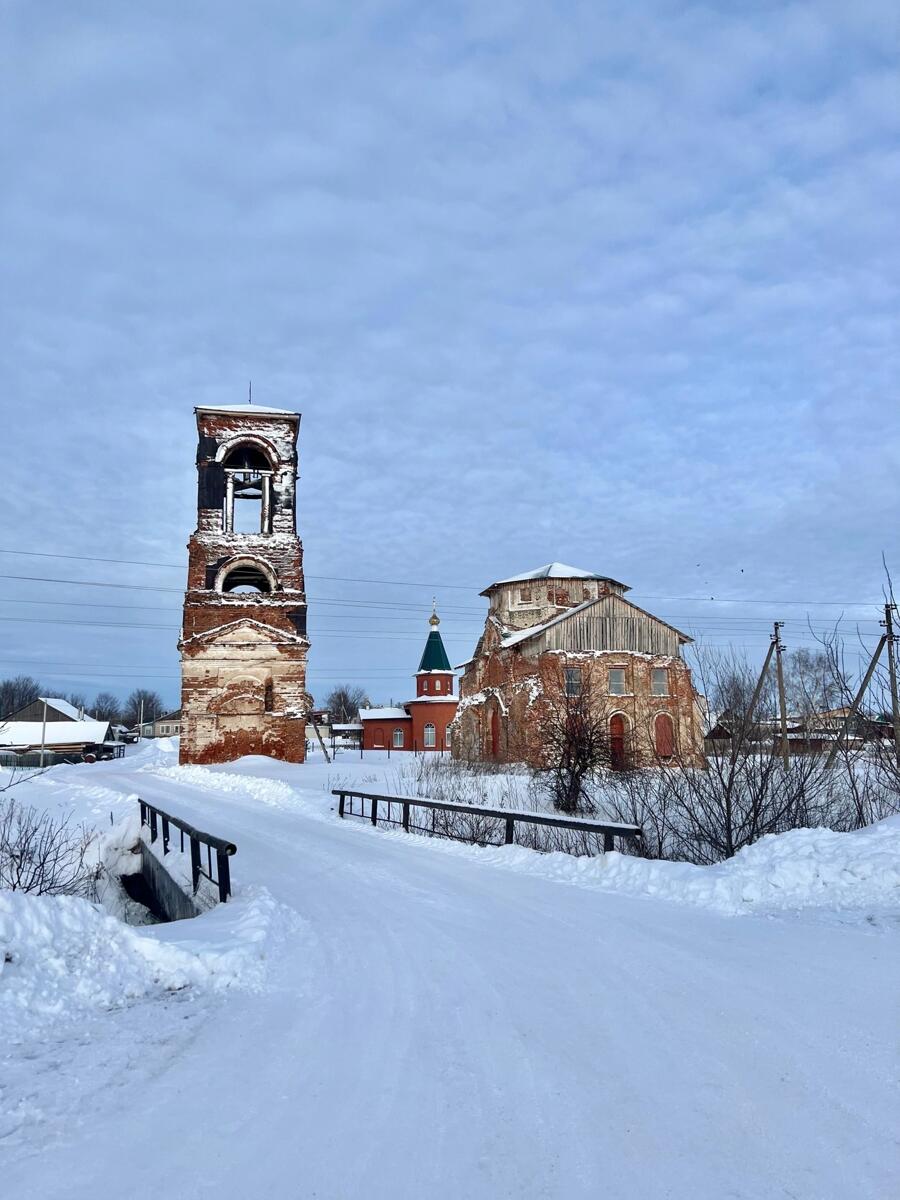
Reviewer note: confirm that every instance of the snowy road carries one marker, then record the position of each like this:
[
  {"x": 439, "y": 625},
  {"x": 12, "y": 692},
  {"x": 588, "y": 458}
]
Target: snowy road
[{"x": 439, "y": 1027}]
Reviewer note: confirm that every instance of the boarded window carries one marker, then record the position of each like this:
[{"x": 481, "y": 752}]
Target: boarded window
[
  {"x": 573, "y": 681},
  {"x": 617, "y": 681},
  {"x": 398, "y": 739},
  {"x": 429, "y": 736},
  {"x": 665, "y": 736},
  {"x": 659, "y": 681},
  {"x": 618, "y": 758}
]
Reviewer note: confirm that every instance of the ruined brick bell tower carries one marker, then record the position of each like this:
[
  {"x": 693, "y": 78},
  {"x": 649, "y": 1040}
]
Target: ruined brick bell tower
[{"x": 243, "y": 640}]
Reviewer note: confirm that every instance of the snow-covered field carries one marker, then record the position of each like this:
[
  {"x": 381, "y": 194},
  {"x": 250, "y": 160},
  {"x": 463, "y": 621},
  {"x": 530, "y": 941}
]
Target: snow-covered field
[{"x": 384, "y": 1015}]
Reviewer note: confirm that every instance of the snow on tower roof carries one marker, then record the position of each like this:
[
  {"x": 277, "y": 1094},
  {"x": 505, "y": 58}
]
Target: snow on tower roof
[
  {"x": 555, "y": 570},
  {"x": 254, "y": 409}
]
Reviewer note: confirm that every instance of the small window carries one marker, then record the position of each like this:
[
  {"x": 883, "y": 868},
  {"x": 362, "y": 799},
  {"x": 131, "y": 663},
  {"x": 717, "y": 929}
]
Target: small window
[
  {"x": 659, "y": 681},
  {"x": 429, "y": 736},
  {"x": 573, "y": 681},
  {"x": 437, "y": 685},
  {"x": 525, "y": 595},
  {"x": 585, "y": 593},
  {"x": 617, "y": 681},
  {"x": 398, "y": 739}
]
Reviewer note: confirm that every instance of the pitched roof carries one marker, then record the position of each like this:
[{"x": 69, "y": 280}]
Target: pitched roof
[
  {"x": 63, "y": 706},
  {"x": 434, "y": 656},
  {"x": 554, "y": 570},
  {"x": 523, "y": 635},
  {"x": 383, "y": 714},
  {"x": 59, "y": 733}
]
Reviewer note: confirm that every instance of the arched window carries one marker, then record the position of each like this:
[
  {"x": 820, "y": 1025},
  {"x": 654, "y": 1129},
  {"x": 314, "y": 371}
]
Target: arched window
[
  {"x": 429, "y": 736},
  {"x": 245, "y": 575},
  {"x": 664, "y": 736},
  {"x": 248, "y": 489},
  {"x": 398, "y": 739},
  {"x": 618, "y": 758},
  {"x": 495, "y": 733},
  {"x": 447, "y": 737}
]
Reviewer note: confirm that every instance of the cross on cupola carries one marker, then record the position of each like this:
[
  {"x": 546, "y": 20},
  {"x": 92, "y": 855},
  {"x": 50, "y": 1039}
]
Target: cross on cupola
[{"x": 435, "y": 675}]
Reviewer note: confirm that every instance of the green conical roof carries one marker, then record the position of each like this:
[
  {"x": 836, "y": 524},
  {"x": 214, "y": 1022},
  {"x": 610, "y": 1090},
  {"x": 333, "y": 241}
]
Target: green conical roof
[{"x": 434, "y": 656}]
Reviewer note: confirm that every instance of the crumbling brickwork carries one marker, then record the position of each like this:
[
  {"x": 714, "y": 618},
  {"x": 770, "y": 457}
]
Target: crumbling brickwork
[
  {"x": 243, "y": 643},
  {"x": 629, "y": 660}
]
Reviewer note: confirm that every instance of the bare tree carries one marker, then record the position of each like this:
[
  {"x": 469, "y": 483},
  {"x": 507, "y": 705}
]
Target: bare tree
[
  {"x": 106, "y": 707},
  {"x": 574, "y": 734},
  {"x": 42, "y": 853},
  {"x": 15, "y": 693},
  {"x": 345, "y": 701},
  {"x": 78, "y": 700},
  {"x": 152, "y": 706}
]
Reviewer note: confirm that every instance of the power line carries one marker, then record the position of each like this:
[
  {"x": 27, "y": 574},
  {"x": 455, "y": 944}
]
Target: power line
[{"x": 411, "y": 583}]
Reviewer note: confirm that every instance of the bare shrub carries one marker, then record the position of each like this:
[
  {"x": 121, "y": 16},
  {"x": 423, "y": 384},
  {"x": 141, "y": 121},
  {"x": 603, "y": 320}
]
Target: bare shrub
[{"x": 42, "y": 853}]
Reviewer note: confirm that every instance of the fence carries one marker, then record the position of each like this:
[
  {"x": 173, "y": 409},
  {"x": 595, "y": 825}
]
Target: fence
[
  {"x": 382, "y": 808},
  {"x": 159, "y": 823}
]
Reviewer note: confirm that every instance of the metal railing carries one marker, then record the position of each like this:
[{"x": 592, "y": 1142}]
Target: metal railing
[
  {"x": 380, "y": 808},
  {"x": 159, "y": 822}
]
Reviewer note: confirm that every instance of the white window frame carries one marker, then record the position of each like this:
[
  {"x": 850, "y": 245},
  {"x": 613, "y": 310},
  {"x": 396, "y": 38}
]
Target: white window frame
[
  {"x": 397, "y": 739},
  {"x": 429, "y": 735},
  {"x": 612, "y": 690},
  {"x": 447, "y": 737},
  {"x": 654, "y": 671}
]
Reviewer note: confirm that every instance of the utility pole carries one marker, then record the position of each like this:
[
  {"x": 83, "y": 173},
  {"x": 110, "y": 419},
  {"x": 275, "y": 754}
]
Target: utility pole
[
  {"x": 782, "y": 707},
  {"x": 736, "y": 746},
  {"x": 141, "y": 723},
  {"x": 43, "y": 732},
  {"x": 890, "y": 638},
  {"x": 832, "y": 754}
]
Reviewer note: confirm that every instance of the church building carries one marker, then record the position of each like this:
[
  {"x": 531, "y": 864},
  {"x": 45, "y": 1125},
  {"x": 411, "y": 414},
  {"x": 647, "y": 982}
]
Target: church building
[
  {"x": 243, "y": 639},
  {"x": 560, "y": 635},
  {"x": 423, "y": 723}
]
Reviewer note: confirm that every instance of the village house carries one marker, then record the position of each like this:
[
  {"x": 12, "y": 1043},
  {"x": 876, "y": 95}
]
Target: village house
[
  {"x": 167, "y": 725},
  {"x": 560, "y": 630},
  {"x": 51, "y": 730},
  {"x": 424, "y": 722}
]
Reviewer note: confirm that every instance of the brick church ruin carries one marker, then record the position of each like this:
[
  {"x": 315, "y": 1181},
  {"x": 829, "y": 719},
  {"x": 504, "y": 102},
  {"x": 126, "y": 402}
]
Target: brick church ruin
[
  {"x": 243, "y": 641},
  {"x": 560, "y": 630}
]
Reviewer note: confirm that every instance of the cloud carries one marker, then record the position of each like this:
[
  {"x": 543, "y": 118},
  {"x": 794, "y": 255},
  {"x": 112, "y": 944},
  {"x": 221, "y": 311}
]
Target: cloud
[{"x": 612, "y": 285}]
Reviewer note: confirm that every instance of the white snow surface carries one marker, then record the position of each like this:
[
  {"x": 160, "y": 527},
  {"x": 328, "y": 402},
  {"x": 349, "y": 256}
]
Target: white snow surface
[
  {"x": 385, "y": 1015},
  {"x": 553, "y": 570}
]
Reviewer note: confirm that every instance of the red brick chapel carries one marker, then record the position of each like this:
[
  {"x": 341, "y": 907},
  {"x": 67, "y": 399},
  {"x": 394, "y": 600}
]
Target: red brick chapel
[{"x": 422, "y": 724}]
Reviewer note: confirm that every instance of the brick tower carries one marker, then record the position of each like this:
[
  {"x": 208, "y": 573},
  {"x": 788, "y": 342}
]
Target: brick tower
[{"x": 243, "y": 640}]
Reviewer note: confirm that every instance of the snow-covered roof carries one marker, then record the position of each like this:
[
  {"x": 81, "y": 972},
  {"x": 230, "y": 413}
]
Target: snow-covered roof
[
  {"x": 261, "y": 409},
  {"x": 383, "y": 714},
  {"x": 57, "y": 733},
  {"x": 446, "y": 698},
  {"x": 63, "y": 706},
  {"x": 554, "y": 570},
  {"x": 343, "y": 728}
]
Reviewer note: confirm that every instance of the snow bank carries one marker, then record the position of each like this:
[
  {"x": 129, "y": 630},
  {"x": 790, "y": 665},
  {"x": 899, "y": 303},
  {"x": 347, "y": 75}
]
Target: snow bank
[
  {"x": 60, "y": 955},
  {"x": 806, "y": 868},
  {"x": 274, "y": 792}
]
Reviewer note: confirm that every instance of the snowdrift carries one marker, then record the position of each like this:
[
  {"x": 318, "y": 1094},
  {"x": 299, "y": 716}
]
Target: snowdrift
[
  {"x": 61, "y": 955},
  {"x": 806, "y": 868}
]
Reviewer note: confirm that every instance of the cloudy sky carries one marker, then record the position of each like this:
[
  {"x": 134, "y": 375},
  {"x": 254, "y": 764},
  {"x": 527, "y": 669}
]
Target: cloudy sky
[{"x": 609, "y": 283}]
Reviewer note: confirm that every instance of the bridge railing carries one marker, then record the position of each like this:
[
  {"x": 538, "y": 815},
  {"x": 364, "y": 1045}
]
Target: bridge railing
[
  {"x": 397, "y": 810},
  {"x": 159, "y": 823}
]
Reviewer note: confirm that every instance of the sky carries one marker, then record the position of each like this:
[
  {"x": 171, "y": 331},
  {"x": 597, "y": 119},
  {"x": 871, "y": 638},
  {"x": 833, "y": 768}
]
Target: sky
[{"x": 610, "y": 284}]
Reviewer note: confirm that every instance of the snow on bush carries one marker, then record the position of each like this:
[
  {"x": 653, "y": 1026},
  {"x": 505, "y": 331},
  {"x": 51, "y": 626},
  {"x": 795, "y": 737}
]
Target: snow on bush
[
  {"x": 805, "y": 868},
  {"x": 61, "y": 954}
]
